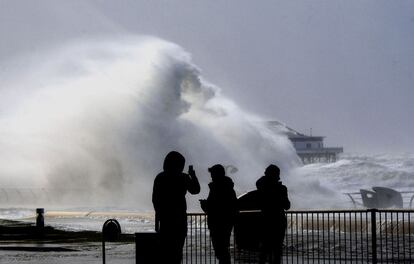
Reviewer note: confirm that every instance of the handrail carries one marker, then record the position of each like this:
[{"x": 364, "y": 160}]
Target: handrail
[
  {"x": 332, "y": 235},
  {"x": 315, "y": 211}
]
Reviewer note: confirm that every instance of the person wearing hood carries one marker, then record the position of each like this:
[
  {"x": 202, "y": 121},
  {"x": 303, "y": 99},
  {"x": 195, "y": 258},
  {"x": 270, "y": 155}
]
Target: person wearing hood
[
  {"x": 221, "y": 209},
  {"x": 274, "y": 202},
  {"x": 168, "y": 198}
]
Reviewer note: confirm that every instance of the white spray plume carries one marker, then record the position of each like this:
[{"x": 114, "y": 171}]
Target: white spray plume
[{"x": 92, "y": 122}]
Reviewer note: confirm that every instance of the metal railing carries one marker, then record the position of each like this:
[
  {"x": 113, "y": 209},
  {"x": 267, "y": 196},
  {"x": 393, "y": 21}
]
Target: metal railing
[{"x": 317, "y": 236}]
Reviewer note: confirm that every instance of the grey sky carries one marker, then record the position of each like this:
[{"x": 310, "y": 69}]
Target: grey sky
[{"x": 344, "y": 68}]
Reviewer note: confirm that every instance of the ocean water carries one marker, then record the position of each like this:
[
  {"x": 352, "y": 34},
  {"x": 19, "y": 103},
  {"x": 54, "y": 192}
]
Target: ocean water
[{"x": 322, "y": 185}]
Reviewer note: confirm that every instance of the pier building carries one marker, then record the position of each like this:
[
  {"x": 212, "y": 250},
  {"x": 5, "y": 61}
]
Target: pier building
[{"x": 309, "y": 148}]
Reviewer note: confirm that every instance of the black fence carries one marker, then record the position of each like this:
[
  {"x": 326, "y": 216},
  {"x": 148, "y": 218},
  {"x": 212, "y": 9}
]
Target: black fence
[{"x": 318, "y": 236}]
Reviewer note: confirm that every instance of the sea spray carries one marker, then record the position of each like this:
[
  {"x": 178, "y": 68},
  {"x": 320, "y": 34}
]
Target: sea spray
[{"x": 90, "y": 123}]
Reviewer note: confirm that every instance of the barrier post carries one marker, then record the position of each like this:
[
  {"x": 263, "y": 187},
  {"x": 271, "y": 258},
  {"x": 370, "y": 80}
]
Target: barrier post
[
  {"x": 40, "y": 219},
  {"x": 103, "y": 250},
  {"x": 374, "y": 234},
  {"x": 111, "y": 230}
]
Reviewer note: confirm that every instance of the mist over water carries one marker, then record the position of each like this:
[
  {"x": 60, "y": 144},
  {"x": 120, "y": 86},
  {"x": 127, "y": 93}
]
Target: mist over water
[{"x": 91, "y": 122}]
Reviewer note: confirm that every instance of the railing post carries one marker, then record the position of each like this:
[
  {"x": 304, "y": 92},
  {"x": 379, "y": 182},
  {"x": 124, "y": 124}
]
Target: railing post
[{"x": 374, "y": 234}]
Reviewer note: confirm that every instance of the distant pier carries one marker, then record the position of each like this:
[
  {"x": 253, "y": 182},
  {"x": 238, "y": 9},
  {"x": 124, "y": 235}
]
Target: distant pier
[{"x": 310, "y": 149}]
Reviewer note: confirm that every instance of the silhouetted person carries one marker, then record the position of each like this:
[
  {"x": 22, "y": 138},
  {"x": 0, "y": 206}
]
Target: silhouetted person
[
  {"x": 273, "y": 198},
  {"x": 168, "y": 197},
  {"x": 221, "y": 209}
]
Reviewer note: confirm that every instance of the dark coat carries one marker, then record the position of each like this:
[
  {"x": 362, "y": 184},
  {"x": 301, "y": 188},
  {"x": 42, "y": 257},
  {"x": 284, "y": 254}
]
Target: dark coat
[
  {"x": 168, "y": 196},
  {"x": 273, "y": 196},
  {"x": 221, "y": 206}
]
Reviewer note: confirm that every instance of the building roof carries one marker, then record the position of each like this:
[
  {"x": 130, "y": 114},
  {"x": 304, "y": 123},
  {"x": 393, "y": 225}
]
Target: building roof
[{"x": 290, "y": 132}]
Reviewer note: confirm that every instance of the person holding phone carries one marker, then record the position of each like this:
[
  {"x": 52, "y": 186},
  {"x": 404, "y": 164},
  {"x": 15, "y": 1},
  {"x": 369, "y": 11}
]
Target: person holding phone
[{"x": 168, "y": 198}]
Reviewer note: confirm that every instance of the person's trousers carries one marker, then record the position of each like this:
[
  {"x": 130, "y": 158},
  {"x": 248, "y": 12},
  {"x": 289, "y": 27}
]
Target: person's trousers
[
  {"x": 271, "y": 244},
  {"x": 171, "y": 248},
  {"x": 221, "y": 244}
]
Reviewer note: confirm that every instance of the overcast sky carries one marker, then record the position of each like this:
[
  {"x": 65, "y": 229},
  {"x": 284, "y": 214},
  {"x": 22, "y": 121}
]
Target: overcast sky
[{"x": 344, "y": 68}]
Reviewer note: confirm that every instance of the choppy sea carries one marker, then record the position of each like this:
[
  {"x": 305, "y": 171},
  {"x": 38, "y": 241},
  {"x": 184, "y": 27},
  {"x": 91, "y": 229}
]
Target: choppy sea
[{"x": 321, "y": 185}]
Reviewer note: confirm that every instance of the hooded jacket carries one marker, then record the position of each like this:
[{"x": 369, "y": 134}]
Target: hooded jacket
[
  {"x": 170, "y": 188},
  {"x": 273, "y": 195}
]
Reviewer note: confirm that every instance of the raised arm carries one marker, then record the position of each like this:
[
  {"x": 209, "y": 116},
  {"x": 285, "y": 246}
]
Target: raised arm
[{"x": 193, "y": 186}]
